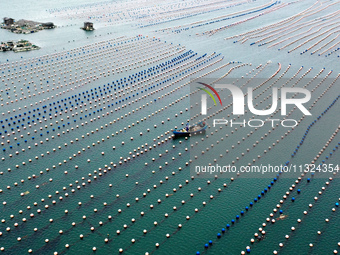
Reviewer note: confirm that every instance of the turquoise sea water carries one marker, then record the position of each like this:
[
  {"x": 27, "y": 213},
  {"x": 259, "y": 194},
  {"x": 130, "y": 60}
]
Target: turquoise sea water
[{"x": 106, "y": 175}]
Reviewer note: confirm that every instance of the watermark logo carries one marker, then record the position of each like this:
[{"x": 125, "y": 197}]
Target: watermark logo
[
  {"x": 238, "y": 99},
  {"x": 204, "y": 97}
]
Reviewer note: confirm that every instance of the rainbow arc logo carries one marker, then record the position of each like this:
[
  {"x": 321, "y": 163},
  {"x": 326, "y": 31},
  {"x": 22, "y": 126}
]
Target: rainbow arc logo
[
  {"x": 209, "y": 93},
  {"x": 204, "y": 97}
]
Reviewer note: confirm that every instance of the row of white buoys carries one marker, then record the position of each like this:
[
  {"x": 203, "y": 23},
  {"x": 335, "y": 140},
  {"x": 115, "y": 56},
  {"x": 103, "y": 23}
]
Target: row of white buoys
[
  {"x": 133, "y": 220},
  {"x": 287, "y": 29},
  {"x": 312, "y": 38},
  {"x": 299, "y": 27},
  {"x": 163, "y": 47},
  {"x": 256, "y": 128},
  {"x": 287, "y": 133},
  {"x": 59, "y": 148},
  {"x": 217, "y": 19},
  {"x": 306, "y": 212},
  {"x": 84, "y": 217},
  {"x": 96, "y": 62},
  {"x": 56, "y": 122},
  {"x": 293, "y": 186},
  {"x": 331, "y": 47},
  {"x": 321, "y": 47},
  {"x": 276, "y": 26},
  {"x": 158, "y": 221},
  {"x": 135, "y": 11},
  {"x": 206, "y": 245},
  {"x": 48, "y": 153},
  {"x": 271, "y": 6}
]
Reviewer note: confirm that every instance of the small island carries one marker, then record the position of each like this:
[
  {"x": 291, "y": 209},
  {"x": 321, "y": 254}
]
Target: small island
[
  {"x": 18, "y": 46},
  {"x": 23, "y": 26}
]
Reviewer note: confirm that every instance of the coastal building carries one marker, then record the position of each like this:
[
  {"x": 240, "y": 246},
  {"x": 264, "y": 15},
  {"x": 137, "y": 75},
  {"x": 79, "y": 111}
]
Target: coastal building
[
  {"x": 8, "y": 21},
  {"x": 18, "y": 46},
  {"x": 23, "y": 26},
  {"x": 48, "y": 25},
  {"x": 88, "y": 26}
]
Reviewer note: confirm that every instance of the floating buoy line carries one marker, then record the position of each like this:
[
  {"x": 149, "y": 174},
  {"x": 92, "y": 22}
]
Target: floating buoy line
[
  {"x": 89, "y": 161},
  {"x": 263, "y": 192},
  {"x": 297, "y": 31},
  {"x": 138, "y": 199}
]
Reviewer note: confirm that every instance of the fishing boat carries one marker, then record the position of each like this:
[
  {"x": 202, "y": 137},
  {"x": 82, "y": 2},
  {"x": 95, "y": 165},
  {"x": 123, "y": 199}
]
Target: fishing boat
[{"x": 191, "y": 130}]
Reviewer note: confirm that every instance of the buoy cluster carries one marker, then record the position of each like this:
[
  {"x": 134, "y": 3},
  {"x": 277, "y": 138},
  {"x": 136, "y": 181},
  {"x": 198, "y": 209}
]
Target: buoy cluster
[
  {"x": 88, "y": 152},
  {"x": 141, "y": 14},
  {"x": 280, "y": 205},
  {"x": 180, "y": 67},
  {"x": 263, "y": 192},
  {"x": 258, "y": 11},
  {"x": 85, "y": 114},
  {"x": 311, "y": 29},
  {"x": 71, "y": 189}
]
